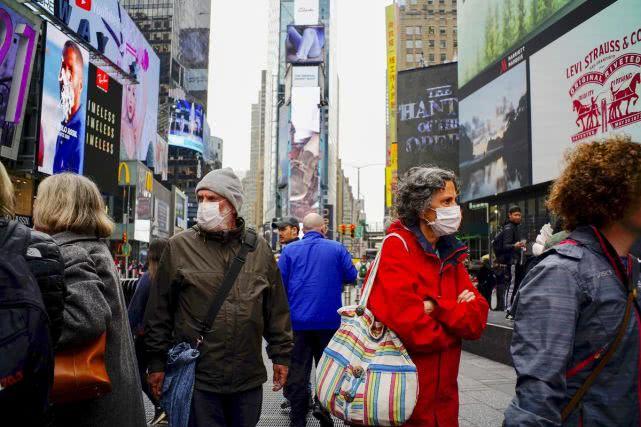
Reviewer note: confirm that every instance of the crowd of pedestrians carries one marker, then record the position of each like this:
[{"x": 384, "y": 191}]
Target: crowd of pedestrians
[{"x": 192, "y": 337}]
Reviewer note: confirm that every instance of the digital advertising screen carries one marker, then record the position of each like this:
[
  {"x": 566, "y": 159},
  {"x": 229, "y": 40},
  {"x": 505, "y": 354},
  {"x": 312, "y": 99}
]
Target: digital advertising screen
[
  {"x": 186, "y": 125},
  {"x": 96, "y": 21},
  {"x": 139, "y": 121},
  {"x": 18, "y": 40},
  {"x": 489, "y": 29},
  {"x": 304, "y": 154},
  {"x": 586, "y": 86},
  {"x": 494, "y": 149},
  {"x": 102, "y": 137},
  {"x": 305, "y": 44},
  {"x": 284, "y": 132},
  {"x": 64, "y": 105},
  {"x": 427, "y": 118}
]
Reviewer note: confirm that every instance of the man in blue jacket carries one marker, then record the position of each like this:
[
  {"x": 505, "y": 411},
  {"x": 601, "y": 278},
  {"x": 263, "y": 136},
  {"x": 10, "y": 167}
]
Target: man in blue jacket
[{"x": 314, "y": 271}]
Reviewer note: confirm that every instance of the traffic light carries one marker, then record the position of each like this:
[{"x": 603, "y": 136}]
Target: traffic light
[
  {"x": 352, "y": 230},
  {"x": 124, "y": 237},
  {"x": 342, "y": 229}
]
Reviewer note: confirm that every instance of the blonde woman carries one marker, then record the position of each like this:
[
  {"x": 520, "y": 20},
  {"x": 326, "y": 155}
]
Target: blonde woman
[
  {"x": 71, "y": 209},
  {"x": 31, "y": 278}
]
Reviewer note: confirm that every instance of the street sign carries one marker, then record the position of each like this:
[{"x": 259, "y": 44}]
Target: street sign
[{"x": 359, "y": 232}]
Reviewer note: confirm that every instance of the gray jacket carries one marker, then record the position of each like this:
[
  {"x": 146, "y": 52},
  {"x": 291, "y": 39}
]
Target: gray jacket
[
  {"x": 570, "y": 307},
  {"x": 94, "y": 303}
]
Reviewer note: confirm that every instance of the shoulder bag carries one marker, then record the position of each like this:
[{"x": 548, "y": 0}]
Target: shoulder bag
[{"x": 366, "y": 376}]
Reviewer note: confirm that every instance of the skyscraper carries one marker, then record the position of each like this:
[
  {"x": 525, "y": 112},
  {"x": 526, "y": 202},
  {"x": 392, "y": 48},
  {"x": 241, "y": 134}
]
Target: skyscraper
[{"x": 427, "y": 33}]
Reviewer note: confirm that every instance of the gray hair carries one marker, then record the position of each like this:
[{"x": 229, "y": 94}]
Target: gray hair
[{"x": 415, "y": 191}]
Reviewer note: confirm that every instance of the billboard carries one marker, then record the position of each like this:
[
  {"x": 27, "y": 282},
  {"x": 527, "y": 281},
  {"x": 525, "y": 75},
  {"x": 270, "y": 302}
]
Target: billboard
[
  {"x": 494, "y": 149},
  {"x": 139, "y": 122},
  {"x": 489, "y": 29},
  {"x": 305, "y": 44},
  {"x": 306, "y": 12},
  {"x": 102, "y": 137},
  {"x": 186, "y": 125},
  {"x": 64, "y": 98},
  {"x": 161, "y": 157},
  {"x": 391, "y": 15},
  {"x": 180, "y": 210},
  {"x": 428, "y": 128},
  {"x": 193, "y": 54},
  {"x": 96, "y": 22},
  {"x": 304, "y": 76},
  {"x": 284, "y": 132},
  {"x": 586, "y": 85},
  {"x": 17, "y": 49},
  {"x": 304, "y": 154}
]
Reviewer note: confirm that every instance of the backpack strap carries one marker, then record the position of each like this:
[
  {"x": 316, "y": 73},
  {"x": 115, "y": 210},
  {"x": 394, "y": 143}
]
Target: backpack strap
[{"x": 248, "y": 244}]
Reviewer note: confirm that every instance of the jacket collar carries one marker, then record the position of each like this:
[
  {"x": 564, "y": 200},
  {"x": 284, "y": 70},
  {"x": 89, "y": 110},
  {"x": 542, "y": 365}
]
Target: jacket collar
[
  {"x": 313, "y": 235},
  {"x": 224, "y": 236},
  {"x": 68, "y": 237},
  {"x": 445, "y": 246},
  {"x": 586, "y": 237}
]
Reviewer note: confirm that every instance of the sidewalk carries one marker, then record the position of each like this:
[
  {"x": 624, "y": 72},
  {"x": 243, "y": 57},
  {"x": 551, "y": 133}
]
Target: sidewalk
[{"x": 485, "y": 390}]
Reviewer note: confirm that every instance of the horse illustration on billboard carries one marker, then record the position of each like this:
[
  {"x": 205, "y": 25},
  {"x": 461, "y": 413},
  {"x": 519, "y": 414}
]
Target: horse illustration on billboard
[
  {"x": 624, "y": 94},
  {"x": 588, "y": 115}
]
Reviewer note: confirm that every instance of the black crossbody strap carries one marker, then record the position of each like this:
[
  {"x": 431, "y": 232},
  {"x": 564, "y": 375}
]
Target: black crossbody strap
[{"x": 248, "y": 245}]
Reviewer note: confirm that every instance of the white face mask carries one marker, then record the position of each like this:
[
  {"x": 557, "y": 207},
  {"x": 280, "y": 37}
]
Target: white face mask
[
  {"x": 66, "y": 93},
  {"x": 210, "y": 217},
  {"x": 448, "y": 221}
]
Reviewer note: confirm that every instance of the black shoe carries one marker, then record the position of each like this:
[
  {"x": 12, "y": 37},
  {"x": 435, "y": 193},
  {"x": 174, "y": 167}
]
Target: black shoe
[
  {"x": 286, "y": 404},
  {"x": 160, "y": 419},
  {"x": 322, "y": 415},
  {"x": 509, "y": 316}
]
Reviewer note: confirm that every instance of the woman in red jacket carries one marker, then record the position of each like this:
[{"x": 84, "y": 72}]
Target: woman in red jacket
[{"x": 423, "y": 291}]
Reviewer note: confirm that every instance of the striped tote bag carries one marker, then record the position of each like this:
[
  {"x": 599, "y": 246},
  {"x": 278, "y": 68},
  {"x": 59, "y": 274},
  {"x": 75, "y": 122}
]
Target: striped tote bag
[{"x": 365, "y": 376}]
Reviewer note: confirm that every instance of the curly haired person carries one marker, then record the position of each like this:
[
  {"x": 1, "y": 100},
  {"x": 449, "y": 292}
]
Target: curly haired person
[{"x": 572, "y": 304}]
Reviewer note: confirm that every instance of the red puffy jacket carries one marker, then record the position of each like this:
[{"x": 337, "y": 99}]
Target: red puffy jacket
[{"x": 406, "y": 278}]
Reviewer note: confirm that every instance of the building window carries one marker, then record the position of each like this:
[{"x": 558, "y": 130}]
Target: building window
[
  {"x": 430, "y": 12},
  {"x": 442, "y": 31},
  {"x": 443, "y": 44},
  {"x": 409, "y": 31},
  {"x": 441, "y": 11},
  {"x": 431, "y": 57},
  {"x": 410, "y": 57},
  {"x": 417, "y": 31},
  {"x": 409, "y": 44},
  {"x": 432, "y": 43},
  {"x": 418, "y": 44},
  {"x": 413, "y": 1},
  {"x": 443, "y": 57},
  {"x": 431, "y": 31},
  {"x": 441, "y": 1},
  {"x": 430, "y": 1}
]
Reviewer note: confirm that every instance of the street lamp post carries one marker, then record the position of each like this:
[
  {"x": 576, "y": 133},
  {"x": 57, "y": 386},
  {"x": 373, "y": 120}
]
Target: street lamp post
[{"x": 358, "y": 193}]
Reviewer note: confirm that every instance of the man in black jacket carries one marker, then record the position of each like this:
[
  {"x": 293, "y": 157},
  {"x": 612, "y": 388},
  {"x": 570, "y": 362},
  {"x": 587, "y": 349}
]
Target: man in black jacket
[{"x": 513, "y": 254}]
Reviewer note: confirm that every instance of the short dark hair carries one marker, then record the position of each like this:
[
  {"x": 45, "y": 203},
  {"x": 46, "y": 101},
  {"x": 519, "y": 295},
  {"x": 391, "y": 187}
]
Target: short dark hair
[
  {"x": 514, "y": 209},
  {"x": 70, "y": 45}
]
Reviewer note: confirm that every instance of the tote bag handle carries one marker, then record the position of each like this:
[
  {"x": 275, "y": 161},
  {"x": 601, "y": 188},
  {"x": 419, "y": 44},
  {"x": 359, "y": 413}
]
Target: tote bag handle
[{"x": 372, "y": 275}]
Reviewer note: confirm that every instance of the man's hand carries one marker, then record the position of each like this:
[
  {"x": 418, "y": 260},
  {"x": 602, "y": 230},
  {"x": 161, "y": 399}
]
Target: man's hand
[
  {"x": 429, "y": 306},
  {"x": 155, "y": 380},
  {"x": 519, "y": 245},
  {"x": 280, "y": 377},
  {"x": 466, "y": 296}
]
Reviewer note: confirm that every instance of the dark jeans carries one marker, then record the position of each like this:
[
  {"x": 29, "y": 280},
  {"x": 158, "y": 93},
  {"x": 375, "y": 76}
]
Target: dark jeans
[
  {"x": 226, "y": 410},
  {"x": 308, "y": 348}
]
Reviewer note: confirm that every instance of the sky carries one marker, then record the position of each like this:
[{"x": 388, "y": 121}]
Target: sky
[{"x": 238, "y": 53}]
